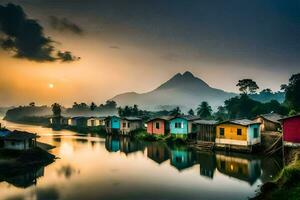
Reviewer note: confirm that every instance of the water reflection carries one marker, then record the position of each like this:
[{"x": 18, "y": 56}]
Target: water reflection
[
  {"x": 158, "y": 152},
  {"x": 182, "y": 157},
  {"x": 207, "y": 161},
  {"x": 22, "y": 179},
  {"x": 239, "y": 166},
  {"x": 92, "y": 167}
]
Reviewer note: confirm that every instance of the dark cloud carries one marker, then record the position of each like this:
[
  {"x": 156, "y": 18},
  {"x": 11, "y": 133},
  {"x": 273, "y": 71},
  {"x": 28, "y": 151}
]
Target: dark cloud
[
  {"x": 25, "y": 37},
  {"x": 66, "y": 56},
  {"x": 63, "y": 24}
]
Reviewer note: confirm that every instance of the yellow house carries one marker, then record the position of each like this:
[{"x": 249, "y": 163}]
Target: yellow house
[{"x": 238, "y": 132}]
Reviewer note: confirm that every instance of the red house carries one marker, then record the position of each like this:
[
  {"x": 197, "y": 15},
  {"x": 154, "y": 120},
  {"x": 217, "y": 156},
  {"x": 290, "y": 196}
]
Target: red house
[
  {"x": 158, "y": 125},
  {"x": 291, "y": 130}
]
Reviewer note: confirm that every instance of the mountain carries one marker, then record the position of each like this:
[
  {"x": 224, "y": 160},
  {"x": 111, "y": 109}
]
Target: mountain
[{"x": 183, "y": 90}]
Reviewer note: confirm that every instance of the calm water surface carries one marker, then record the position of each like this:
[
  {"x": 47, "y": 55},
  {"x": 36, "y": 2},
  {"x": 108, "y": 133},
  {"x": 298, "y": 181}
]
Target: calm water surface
[{"x": 90, "y": 167}]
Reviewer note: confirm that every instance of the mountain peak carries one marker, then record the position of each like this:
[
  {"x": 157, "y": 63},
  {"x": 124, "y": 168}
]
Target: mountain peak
[
  {"x": 184, "y": 81},
  {"x": 188, "y": 74}
]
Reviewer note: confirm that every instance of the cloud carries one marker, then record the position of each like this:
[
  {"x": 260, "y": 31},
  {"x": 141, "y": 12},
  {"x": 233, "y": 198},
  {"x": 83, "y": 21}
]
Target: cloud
[
  {"x": 25, "y": 37},
  {"x": 66, "y": 56},
  {"x": 63, "y": 24}
]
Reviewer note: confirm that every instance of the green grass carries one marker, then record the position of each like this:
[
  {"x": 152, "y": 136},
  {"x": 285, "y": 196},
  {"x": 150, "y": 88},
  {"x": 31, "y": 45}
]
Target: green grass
[{"x": 287, "y": 185}]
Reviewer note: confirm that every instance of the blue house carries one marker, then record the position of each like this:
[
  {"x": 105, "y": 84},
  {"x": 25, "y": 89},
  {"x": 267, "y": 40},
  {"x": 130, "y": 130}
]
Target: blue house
[
  {"x": 112, "y": 124},
  {"x": 182, "y": 126}
]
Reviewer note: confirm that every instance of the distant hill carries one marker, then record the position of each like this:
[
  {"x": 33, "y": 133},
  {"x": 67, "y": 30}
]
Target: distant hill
[
  {"x": 266, "y": 97},
  {"x": 184, "y": 90}
]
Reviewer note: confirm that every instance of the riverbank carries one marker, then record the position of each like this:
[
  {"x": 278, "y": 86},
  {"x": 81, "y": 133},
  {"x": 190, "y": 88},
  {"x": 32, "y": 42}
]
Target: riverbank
[{"x": 287, "y": 185}]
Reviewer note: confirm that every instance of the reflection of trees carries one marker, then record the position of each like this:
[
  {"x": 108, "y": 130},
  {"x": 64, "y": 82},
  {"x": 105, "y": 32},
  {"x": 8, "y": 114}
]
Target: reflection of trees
[
  {"x": 207, "y": 161},
  {"x": 271, "y": 167},
  {"x": 239, "y": 167},
  {"x": 67, "y": 171},
  {"x": 158, "y": 152}
]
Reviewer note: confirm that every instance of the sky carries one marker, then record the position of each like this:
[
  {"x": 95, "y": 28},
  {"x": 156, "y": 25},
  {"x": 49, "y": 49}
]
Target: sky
[{"x": 93, "y": 50}]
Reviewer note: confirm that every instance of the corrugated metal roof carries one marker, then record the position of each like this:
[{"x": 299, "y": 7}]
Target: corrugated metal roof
[
  {"x": 273, "y": 117},
  {"x": 243, "y": 122},
  {"x": 187, "y": 117},
  {"x": 166, "y": 118},
  {"x": 131, "y": 118},
  {"x": 208, "y": 122},
  {"x": 19, "y": 135}
]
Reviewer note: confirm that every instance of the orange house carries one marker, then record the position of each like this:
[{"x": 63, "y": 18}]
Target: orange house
[{"x": 158, "y": 125}]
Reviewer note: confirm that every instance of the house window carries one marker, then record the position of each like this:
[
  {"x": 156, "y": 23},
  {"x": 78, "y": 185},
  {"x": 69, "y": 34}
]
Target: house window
[
  {"x": 124, "y": 125},
  {"x": 222, "y": 131},
  {"x": 178, "y": 125},
  {"x": 128, "y": 125},
  {"x": 239, "y": 131},
  {"x": 157, "y": 125},
  {"x": 255, "y": 132}
]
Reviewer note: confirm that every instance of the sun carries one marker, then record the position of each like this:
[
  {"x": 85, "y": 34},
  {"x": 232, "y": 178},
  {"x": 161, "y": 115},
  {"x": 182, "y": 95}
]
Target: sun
[{"x": 51, "y": 85}]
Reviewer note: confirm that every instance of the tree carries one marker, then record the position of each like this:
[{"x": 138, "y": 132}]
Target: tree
[
  {"x": 93, "y": 106},
  {"x": 247, "y": 86},
  {"x": 32, "y": 104},
  {"x": 135, "y": 110},
  {"x": 292, "y": 90},
  {"x": 176, "y": 111},
  {"x": 266, "y": 91},
  {"x": 204, "y": 110},
  {"x": 56, "y": 109},
  {"x": 221, "y": 114},
  {"x": 191, "y": 112}
]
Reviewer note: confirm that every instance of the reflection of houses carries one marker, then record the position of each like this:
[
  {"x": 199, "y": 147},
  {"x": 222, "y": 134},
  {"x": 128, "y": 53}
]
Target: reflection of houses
[
  {"x": 238, "y": 167},
  {"x": 291, "y": 130},
  {"x": 182, "y": 158},
  {"x": 112, "y": 124},
  {"x": 95, "y": 121},
  {"x": 128, "y": 145},
  {"x": 207, "y": 161},
  {"x": 17, "y": 140},
  {"x": 27, "y": 179},
  {"x": 159, "y": 125},
  {"x": 112, "y": 144},
  {"x": 269, "y": 122},
  {"x": 158, "y": 152},
  {"x": 239, "y": 133},
  {"x": 182, "y": 126},
  {"x": 129, "y": 124}
]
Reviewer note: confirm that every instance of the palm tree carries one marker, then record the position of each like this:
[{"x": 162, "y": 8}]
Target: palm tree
[{"x": 204, "y": 110}]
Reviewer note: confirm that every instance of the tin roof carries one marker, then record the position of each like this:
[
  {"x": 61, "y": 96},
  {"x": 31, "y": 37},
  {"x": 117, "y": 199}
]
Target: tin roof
[
  {"x": 19, "y": 135},
  {"x": 207, "y": 122},
  {"x": 166, "y": 118},
  {"x": 131, "y": 118},
  {"x": 187, "y": 117},
  {"x": 273, "y": 117},
  {"x": 243, "y": 122},
  {"x": 297, "y": 115}
]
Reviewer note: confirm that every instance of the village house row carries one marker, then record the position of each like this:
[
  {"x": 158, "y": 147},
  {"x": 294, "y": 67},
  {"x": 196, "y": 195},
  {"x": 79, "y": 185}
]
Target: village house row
[{"x": 241, "y": 133}]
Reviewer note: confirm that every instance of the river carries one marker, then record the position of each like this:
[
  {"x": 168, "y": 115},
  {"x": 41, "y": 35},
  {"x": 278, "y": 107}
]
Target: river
[{"x": 91, "y": 167}]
